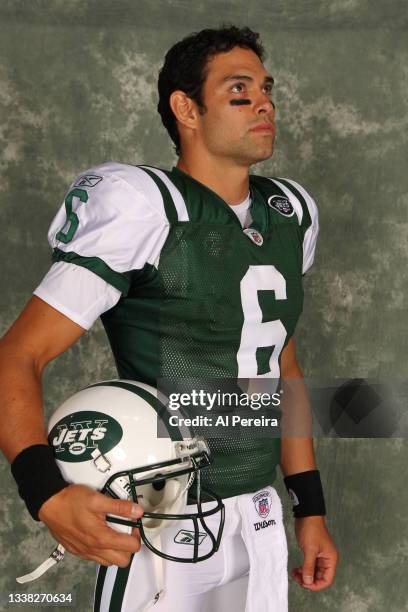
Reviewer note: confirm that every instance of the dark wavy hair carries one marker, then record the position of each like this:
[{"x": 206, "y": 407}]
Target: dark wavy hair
[{"x": 185, "y": 67}]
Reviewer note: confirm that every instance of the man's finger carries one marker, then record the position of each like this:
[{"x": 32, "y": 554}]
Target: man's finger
[
  {"x": 110, "y": 538},
  {"x": 308, "y": 567},
  {"x": 110, "y": 557},
  {"x": 328, "y": 568},
  {"x": 121, "y": 507},
  {"x": 324, "y": 574}
]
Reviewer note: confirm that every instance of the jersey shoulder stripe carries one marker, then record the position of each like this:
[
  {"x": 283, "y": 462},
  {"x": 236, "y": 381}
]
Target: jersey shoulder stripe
[
  {"x": 270, "y": 186},
  {"x": 312, "y": 229},
  {"x": 169, "y": 206},
  {"x": 308, "y": 204},
  {"x": 304, "y": 207},
  {"x": 292, "y": 197},
  {"x": 177, "y": 199}
]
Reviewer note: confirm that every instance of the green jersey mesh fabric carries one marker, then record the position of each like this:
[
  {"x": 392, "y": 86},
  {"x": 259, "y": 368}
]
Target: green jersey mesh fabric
[{"x": 184, "y": 318}]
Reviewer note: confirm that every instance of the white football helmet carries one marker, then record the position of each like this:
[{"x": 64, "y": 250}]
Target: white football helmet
[{"x": 106, "y": 437}]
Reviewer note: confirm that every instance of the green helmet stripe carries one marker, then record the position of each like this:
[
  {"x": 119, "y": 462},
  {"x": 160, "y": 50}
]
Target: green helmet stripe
[{"x": 161, "y": 410}]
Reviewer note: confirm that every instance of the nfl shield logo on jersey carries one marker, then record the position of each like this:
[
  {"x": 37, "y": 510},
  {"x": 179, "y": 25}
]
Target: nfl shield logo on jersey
[
  {"x": 262, "y": 502},
  {"x": 254, "y": 235},
  {"x": 282, "y": 205}
]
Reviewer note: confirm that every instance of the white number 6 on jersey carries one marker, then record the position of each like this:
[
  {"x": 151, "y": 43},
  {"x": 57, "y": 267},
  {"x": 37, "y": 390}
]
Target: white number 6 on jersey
[{"x": 255, "y": 333}]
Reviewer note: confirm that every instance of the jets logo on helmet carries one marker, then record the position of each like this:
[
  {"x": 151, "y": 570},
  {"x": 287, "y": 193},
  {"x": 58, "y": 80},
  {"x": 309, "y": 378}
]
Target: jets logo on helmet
[
  {"x": 106, "y": 437},
  {"x": 76, "y": 437}
]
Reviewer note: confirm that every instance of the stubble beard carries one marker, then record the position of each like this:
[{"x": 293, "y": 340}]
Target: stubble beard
[
  {"x": 249, "y": 154},
  {"x": 247, "y": 151}
]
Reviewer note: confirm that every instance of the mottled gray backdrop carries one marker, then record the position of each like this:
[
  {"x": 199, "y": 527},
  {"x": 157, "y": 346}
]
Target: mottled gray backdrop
[{"x": 78, "y": 87}]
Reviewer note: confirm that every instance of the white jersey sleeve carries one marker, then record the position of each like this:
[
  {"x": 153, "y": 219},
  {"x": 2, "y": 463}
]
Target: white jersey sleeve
[
  {"x": 112, "y": 222},
  {"x": 76, "y": 292}
]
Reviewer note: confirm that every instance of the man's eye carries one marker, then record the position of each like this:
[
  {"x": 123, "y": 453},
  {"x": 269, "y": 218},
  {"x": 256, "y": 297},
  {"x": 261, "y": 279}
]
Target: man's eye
[
  {"x": 238, "y": 88},
  {"x": 268, "y": 90}
]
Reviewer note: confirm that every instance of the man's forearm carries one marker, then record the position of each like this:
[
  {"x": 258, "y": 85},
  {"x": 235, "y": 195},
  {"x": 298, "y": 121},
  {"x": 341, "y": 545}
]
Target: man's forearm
[
  {"x": 297, "y": 454},
  {"x": 22, "y": 418}
]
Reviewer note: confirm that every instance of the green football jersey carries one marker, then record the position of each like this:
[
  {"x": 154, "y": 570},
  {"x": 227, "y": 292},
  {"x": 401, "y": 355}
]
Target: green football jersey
[{"x": 200, "y": 296}]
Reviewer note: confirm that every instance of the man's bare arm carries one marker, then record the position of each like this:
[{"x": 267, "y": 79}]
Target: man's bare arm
[
  {"x": 297, "y": 455},
  {"x": 40, "y": 334},
  {"x": 76, "y": 515}
]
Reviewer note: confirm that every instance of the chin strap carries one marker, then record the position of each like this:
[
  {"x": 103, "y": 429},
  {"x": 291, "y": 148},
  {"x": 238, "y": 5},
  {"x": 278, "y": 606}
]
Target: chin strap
[
  {"x": 55, "y": 557},
  {"x": 58, "y": 553},
  {"x": 158, "y": 563}
]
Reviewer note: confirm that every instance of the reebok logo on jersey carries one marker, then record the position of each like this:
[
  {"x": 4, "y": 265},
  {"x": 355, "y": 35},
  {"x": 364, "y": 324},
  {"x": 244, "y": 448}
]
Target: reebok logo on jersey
[
  {"x": 282, "y": 205},
  {"x": 185, "y": 536},
  {"x": 90, "y": 180},
  {"x": 75, "y": 438},
  {"x": 262, "y": 502},
  {"x": 264, "y": 524}
]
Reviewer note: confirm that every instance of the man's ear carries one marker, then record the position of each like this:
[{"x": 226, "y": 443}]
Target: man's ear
[{"x": 184, "y": 108}]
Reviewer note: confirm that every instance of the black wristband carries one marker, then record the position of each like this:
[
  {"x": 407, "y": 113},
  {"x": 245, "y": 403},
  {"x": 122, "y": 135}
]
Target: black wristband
[
  {"x": 37, "y": 475},
  {"x": 306, "y": 492}
]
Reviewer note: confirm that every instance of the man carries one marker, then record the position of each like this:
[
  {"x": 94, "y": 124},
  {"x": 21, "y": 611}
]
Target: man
[{"x": 197, "y": 273}]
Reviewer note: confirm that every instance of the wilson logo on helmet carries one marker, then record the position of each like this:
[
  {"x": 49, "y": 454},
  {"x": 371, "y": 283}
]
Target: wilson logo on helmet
[{"x": 75, "y": 437}]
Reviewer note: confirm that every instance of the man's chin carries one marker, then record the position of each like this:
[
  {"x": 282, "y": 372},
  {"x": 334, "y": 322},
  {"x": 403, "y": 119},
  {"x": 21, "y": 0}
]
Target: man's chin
[
  {"x": 261, "y": 152},
  {"x": 260, "y": 156},
  {"x": 251, "y": 155},
  {"x": 265, "y": 156}
]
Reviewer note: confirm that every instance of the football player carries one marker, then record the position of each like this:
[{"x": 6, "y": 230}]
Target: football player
[{"x": 196, "y": 272}]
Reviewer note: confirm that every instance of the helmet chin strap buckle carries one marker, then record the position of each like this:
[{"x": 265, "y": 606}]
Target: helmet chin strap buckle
[
  {"x": 187, "y": 448},
  {"x": 101, "y": 463},
  {"x": 55, "y": 557}
]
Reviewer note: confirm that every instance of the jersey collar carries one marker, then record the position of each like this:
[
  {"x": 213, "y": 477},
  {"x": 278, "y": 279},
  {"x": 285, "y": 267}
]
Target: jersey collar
[{"x": 258, "y": 207}]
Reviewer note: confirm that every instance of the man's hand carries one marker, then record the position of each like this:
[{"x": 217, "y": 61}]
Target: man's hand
[
  {"x": 76, "y": 518},
  {"x": 320, "y": 554}
]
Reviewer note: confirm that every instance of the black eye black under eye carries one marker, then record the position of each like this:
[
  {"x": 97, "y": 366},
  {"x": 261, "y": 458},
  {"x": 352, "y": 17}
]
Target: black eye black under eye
[{"x": 240, "y": 102}]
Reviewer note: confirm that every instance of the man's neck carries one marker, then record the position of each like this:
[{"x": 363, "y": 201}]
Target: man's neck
[{"x": 228, "y": 180}]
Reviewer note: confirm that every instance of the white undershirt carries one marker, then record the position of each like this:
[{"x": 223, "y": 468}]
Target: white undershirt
[{"x": 242, "y": 211}]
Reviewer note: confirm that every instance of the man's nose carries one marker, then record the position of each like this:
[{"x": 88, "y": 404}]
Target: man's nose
[{"x": 264, "y": 104}]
